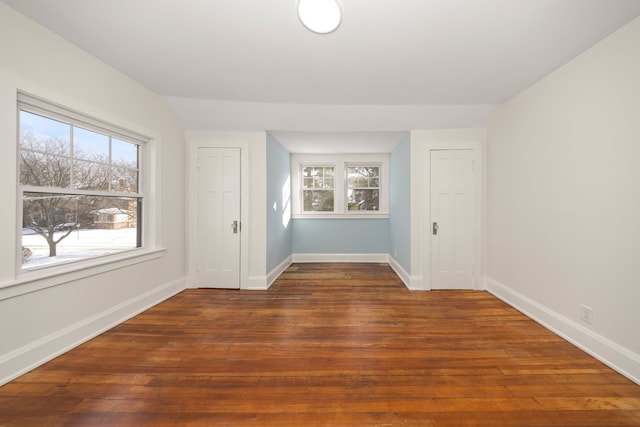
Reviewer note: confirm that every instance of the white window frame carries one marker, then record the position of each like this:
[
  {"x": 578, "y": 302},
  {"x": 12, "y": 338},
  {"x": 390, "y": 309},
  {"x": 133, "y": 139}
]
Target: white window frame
[
  {"x": 340, "y": 162},
  {"x": 147, "y": 250}
]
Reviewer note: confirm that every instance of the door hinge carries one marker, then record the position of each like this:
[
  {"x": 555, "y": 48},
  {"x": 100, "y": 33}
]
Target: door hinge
[{"x": 473, "y": 165}]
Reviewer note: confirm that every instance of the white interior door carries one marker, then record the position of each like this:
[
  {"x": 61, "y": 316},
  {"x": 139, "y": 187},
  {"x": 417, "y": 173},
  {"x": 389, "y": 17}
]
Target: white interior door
[
  {"x": 452, "y": 215},
  {"x": 218, "y": 264}
]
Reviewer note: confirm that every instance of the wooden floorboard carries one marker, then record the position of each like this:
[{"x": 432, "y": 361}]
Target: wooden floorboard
[{"x": 327, "y": 345}]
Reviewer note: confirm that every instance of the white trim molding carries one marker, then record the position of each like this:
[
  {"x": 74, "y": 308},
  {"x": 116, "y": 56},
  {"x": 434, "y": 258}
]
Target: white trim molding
[
  {"x": 32, "y": 355},
  {"x": 276, "y": 272},
  {"x": 340, "y": 162},
  {"x": 423, "y": 142},
  {"x": 256, "y": 283},
  {"x": 253, "y": 234},
  {"x": 373, "y": 258},
  {"x": 617, "y": 357},
  {"x": 401, "y": 272}
]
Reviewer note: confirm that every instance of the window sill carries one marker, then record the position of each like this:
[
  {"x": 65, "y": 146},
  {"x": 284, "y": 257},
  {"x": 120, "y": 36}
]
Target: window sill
[
  {"x": 32, "y": 281},
  {"x": 376, "y": 215}
]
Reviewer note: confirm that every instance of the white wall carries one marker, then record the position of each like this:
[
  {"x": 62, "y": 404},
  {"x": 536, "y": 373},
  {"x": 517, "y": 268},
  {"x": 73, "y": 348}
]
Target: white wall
[
  {"x": 563, "y": 209},
  {"x": 38, "y": 320}
]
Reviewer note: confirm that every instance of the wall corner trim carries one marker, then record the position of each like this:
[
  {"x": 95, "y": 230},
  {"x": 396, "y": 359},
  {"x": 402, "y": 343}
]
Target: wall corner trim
[{"x": 617, "y": 357}]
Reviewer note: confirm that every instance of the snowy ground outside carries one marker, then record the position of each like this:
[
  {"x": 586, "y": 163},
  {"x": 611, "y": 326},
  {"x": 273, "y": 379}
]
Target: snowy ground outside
[{"x": 80, "y": 244}]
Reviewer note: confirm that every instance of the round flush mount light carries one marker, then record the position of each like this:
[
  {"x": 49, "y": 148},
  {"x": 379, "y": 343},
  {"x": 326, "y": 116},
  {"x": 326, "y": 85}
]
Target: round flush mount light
[{"x": 320, "y": 16}]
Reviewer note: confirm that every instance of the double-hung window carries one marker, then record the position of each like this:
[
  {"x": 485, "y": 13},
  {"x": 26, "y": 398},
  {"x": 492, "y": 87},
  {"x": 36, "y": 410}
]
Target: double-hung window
[
  {"x": 318, "y": 188},
  {"x": 80, "y": 187},
  {"x": 346, "y": 185},
  {"x": 363, "y": 187}
]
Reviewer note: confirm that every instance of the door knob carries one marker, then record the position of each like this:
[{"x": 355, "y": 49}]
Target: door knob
[
  {"x": 234, "y": 225},
  {"x": 434, "y": 228}
]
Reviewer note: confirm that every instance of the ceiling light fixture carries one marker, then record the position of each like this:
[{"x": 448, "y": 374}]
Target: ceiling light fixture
[{"x": 320, "y": 16}]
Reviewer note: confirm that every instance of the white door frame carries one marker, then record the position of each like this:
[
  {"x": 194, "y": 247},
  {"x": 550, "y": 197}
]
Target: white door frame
[
  {"x": 425, "y": 211},
  {"x": 217, "y": 140}
]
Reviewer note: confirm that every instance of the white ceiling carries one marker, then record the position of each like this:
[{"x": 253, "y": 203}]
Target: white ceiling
[{"x": 392, "y": 65}]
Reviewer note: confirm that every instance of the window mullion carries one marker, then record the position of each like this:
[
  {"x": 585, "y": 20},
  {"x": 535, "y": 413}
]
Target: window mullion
[{"x": 339, "y": 186}]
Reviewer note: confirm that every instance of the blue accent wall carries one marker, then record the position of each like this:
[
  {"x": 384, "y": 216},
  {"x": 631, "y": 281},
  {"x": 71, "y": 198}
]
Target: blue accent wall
[
  {"x": 341, "y": 236},
  {"x": 400, "y": 203},
  {"x": 279, "y": 222}
]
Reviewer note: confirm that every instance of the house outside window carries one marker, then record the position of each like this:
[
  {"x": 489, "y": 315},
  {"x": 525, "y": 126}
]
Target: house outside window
[
  {"x": 80, "y": 186},
  {"x": 340, "y": 185}
]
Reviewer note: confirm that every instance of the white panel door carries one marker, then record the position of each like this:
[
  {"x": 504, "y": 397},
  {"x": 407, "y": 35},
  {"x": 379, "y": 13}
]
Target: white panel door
[
  {"x": 452, "y": 215},
  {"x": 218, "y": 263}
]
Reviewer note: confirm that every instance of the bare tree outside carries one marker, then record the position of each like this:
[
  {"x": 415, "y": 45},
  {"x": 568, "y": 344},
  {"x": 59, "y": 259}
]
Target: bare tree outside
[
  {"x": 363, "y": 188},
  {"x": 47, "y": 163},
  {"x": 318, "y": 184},
  {"x": 57, "y": 170}
]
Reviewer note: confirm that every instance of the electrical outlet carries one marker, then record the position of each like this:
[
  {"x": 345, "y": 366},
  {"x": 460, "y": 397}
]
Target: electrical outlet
[{"x": 586, "y": 314}]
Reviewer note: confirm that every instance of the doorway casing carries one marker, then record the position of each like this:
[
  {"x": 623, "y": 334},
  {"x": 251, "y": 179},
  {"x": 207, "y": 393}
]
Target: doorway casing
[
  {"x": 253, "y": 237},
  {"x": 423, "y": 142}
]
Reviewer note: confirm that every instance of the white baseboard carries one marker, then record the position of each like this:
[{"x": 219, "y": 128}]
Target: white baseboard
[
  {"x": 340, "y": 257},
  {"x": 257, "y": 283},
  {"x": 30, "y": 356},
  {"x": 416, "y": 283},
  {"x": 400, "y": 271},
  {"x": 280, "y": 268},
  {"x": 611, "y": 354}
]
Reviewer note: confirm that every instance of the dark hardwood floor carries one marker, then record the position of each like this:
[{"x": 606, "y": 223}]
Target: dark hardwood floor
[{"x": 327, "y": 345}]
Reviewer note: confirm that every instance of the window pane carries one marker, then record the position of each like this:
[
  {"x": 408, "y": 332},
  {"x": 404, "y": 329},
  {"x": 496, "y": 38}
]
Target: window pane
[
  {"x": 327, "y": 183},
  {"x": 59, "y": 228},
  {"x": 363, "y": 200},
  {"x": 362, "y": 176},
  {"x": 363, "y": 192},
  {"x": 38, "y": 132},
  {"x": 318, "y": 177},
  {"x": 124, "y": 153},
  {"x": 44, "y": 151},
  {"x": 89, "y": 145},
  {"x": 308, "y": 182},
  {"x": 90, "y": 176},
  {"x": 306, "y": 172},
  {"x": 124, "y": 180},
  {"x": 317, "y": 200},
  {"x": 317, "y": 184},
  {"x": 44, "y": 169}
]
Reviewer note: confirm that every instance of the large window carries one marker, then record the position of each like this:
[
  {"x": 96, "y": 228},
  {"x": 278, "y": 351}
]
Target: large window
[
  {"x": 80, "y": 186},
  {"x": 348, "y": 186}
]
